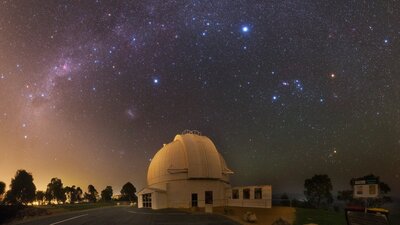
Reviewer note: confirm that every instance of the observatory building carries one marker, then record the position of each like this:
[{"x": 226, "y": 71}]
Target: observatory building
[{"x": 190, "y": 172}]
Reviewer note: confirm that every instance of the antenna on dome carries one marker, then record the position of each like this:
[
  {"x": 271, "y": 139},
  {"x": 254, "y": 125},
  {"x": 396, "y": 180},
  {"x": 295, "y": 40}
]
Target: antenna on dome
[{"x": 191, "y": 132}]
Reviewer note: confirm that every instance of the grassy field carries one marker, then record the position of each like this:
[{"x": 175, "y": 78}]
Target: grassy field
[
  {"x": 319, "y": 216},
  {"x": 325, "y": 217},
  {"x": 11, "y": 213},
  {"x": 74, "y": 207},
  {"x": 394, "y": 219},
  {"x": 264, "y": 216}
]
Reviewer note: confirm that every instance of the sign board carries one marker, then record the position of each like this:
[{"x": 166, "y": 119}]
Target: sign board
[{"x": 366, "y": 189}]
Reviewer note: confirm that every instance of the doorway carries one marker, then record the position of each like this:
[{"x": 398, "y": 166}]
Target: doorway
[
  {"x": 209, "y": 197},
  {"x": 194, "y": 200}
]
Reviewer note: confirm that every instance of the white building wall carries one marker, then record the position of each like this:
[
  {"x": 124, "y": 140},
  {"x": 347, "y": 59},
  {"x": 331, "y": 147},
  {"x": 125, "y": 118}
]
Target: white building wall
[
  {"x": 180, "y": 192},
  {"x": 264, "y": 202},
  {"x": 140, "y": 201},
  {"x": 159, "y": 200}
]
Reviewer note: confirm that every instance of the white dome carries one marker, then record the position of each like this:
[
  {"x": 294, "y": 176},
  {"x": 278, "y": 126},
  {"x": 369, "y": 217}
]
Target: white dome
[{"x": 189, "y": 156}]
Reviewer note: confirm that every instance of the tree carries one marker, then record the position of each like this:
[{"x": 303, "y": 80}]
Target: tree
[
  {"x": 9, "y": 198},
  {"x": 107, "y": 193},
  {"x": 79, "y": 194},
  {"x": 40, "y": 197},
  {"x": 55, "y": 190},
  {"x": 318, "y": 190},
  {"x": 92, "y": 194},
  {"x": 48, "y": 196},
  {"x": 345, "y": 195},
  {"x": 128, "y": 192},
  {"x": 2, "y": 188},
  {"x": 71, "y": 194},
  {"x": 22, "y": 189}
]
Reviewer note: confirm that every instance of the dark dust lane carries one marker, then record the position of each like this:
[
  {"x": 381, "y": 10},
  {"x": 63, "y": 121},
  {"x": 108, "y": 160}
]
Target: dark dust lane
[{"x": 128, "y": 215}]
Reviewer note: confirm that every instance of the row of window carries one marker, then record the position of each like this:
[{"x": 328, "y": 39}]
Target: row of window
[{"x": 246, "y": 193}]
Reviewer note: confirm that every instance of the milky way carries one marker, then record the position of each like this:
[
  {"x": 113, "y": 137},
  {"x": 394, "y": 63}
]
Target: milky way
[{"x": 90, "y": 90}]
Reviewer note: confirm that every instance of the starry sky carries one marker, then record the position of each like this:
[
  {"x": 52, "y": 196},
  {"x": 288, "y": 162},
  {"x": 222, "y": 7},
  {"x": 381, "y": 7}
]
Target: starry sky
[{"x": 90, "y": 90}]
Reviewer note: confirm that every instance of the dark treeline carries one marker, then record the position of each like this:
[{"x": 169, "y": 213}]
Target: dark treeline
[{"x": 22, "y": 191}]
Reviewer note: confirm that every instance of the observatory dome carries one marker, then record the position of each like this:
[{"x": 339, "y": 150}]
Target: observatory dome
[{"x": 188, "y": 156}]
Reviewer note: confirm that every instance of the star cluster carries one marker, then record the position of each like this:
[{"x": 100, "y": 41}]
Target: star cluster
[{"x": 286, "y": 89}]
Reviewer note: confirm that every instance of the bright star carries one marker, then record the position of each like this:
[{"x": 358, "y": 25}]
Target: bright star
[
  {"x": 245, "y": 29},
  {"x": 155, "y": 81}
]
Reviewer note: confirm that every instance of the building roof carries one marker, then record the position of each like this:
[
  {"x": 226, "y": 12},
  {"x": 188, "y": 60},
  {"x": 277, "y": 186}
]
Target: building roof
[{"x": 188, "y": 156}]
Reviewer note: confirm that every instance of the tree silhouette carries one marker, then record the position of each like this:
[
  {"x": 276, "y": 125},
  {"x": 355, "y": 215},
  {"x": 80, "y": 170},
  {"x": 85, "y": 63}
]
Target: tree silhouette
[
  {"x": 128, "y": 192},
  {"x": 345, "y": 195},
  {"x": 22, "y": 189},
  {"x": 92, "y": 194},
  {"x": 40, "y": 197},
  {"x": 71, "y": 194},
  {"x": 107, "y": 193},
  {"x": 55, "y": 190},
  {"x": 318, "y": 190},
  {"x": 79, "y": 194},
  {"x": 2, "y": 188},
  {"x": 48, "y": 196}
]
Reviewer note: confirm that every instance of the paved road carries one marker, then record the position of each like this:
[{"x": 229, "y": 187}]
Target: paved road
[{"x": 128, "y": 215}]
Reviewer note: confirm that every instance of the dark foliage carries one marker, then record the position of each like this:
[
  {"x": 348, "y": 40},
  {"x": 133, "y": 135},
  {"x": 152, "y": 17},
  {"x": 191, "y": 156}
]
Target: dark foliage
[
  {"x": 318, "y": 191},
  {"x": 128, "y": 192},
  {"x": 40, "y": 197},
  {"x": 107, "y": 193},
  {"x": 55, "y": 190},
  {"x": 92, "y": 194},
  {"x": 22, "y": 189},
  {"x": 2, "y": 188}
]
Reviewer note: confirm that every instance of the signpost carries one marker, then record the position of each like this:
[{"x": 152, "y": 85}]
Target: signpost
[{"x": 366, "y": 188}]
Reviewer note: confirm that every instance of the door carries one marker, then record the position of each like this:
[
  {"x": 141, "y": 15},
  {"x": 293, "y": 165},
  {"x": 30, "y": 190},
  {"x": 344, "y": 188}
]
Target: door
[
  {"x": 209, "y": 197},
  {"x": 194, "y": 200},
  {"x": 146, "y": 200}
]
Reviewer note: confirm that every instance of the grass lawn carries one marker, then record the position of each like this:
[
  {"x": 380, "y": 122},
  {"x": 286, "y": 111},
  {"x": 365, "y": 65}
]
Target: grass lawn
[
  {"x": 11, "y": 213},
  {"x": 394, "y": 219},
  {"x": 74, "y": 207},
  {"x": 319, "y": 216}
]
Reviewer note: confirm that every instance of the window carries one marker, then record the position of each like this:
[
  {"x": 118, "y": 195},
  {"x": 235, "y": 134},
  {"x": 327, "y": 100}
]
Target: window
[
  {"x": 246, "y": 193},
  {"x": 257, "y": 193},
  {"x": 146, "y": 199},
  {"x": 359, "y": 189},
  {"x": 209, "y": 197},
  {"x": 235, "y": 194},
  {"x": 372, "y": 189}
]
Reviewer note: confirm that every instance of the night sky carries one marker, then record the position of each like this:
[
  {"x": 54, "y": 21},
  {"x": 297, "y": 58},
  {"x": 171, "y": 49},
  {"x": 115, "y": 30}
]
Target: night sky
[{"x": 90, "y": 90}]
